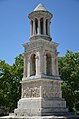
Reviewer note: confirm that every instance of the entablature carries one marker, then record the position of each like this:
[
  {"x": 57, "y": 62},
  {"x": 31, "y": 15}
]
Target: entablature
[{"x": 41, "y": 43}]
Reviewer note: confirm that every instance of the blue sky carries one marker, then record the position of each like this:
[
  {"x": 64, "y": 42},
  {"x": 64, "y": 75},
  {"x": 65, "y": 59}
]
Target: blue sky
[{"x": 15, "y": 26}]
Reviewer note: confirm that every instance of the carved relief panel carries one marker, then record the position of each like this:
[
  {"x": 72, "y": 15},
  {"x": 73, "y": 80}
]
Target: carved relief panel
[
  {"x": 31, "y": 92},
  {"x": 52, "y": 91},
  {"x": 45, "y": 89}
]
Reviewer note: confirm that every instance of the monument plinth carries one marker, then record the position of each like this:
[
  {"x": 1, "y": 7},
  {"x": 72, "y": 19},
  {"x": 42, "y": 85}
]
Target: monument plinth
[{"x": 41, "y": 85}]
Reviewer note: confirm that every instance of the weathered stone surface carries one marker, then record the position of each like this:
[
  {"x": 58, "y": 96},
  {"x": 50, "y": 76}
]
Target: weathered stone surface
[
  {"x": 38, "y": 107},
  {"x": 41, "y": 97},
  {"x": 41, "y": 84},
  {"x": 41, "y": 88},
  {"x": 40, "y": 43}
]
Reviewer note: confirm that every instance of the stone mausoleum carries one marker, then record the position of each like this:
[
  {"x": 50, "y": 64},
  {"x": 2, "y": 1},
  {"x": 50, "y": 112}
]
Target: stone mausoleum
[
  {"x": 41, "y": 96},
  {"x": 41, "y": 84}
]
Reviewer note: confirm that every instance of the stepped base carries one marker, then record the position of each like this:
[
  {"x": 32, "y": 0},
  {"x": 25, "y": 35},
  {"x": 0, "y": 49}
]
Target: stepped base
[
  {"x": 42, "y": 117},
  {"x": 41, "y": 107}
]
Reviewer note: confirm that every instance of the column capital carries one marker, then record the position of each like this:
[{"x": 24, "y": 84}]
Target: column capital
[
  {"x": 30, "y": 20},
  {"x": 44, "y": 55},
  {"x": 28, "y": 59},
  {"x": 33, "y": 19},
  {"x": 38, "y": 19},
  {"x": 36, "y": 57}
]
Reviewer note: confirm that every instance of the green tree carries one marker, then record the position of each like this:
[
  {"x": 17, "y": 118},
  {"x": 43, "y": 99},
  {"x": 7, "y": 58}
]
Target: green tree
[
  {"x": 10, "y": 88},
  {"x": 69, "y": 72}
]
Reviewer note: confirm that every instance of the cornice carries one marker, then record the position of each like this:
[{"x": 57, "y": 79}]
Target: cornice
[{"x": 41, "y": 41}]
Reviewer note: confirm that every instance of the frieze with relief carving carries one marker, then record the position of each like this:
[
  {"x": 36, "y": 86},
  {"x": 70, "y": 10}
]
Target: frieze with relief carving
[
  {"x": 31, "y": 92},
  {"x": 53, "y": 91}
]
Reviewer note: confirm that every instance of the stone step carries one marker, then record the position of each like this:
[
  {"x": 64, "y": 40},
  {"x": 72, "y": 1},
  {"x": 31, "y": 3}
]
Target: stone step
[
  {"x": 42, "y": 117},
  {"x": 42, "y": 111}
]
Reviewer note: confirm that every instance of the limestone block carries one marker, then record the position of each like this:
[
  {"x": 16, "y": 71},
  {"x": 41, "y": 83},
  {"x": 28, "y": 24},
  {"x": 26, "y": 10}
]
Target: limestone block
[
  {"x": 29, "y": 103},
  {"x": 40, "y": 106},
  {"x": 54, "y": 102}
]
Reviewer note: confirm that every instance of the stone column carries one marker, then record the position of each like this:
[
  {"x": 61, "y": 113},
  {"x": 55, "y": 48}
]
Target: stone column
[
  {"x": 45, "y": 64},
  {"x": 33, "y": 27},
  {"x": 53, "y": 66},
  {"x": 37, "y": 65},
  {"x": 48, "y": 24},
  {"x": 25, "y": 67},
  {"x": 28, "y": 67},
  {"x": 40, "y": 91},
  {"x": 44, "y": 27},
  {"x": 38, "y": 26},
  {"x": 57, "y": 72},
  {"x": 31, "y": 32}
]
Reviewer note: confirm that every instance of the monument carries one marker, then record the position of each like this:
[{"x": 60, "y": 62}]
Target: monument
[{"x": 41, "y": 84}]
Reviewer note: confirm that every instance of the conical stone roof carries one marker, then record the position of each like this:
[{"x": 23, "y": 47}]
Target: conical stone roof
[{"x": 40, "y": 7}]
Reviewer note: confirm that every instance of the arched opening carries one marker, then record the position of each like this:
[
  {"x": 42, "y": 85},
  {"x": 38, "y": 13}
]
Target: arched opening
[
  {"x": 33, "y": 65},
  {"x": 41, "y": 25},
  {"x": 48, "y": 64},
  {"x": 46, "y": 27},
  {"x": 36, "y": 25}
]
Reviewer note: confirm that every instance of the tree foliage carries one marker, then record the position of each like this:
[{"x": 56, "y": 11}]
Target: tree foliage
[
  {"x": 10, "y": 77},
  {"x": 69, "y": 72}
]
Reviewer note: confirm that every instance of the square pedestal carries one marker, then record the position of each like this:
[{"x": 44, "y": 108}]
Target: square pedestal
[{"x": 41, "y": 97}]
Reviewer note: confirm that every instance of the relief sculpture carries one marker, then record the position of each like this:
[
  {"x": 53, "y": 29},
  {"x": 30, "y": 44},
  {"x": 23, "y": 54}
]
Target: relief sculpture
[
  {"x": 31, "y": 92},
  {"x": 53, "y": 91}
]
